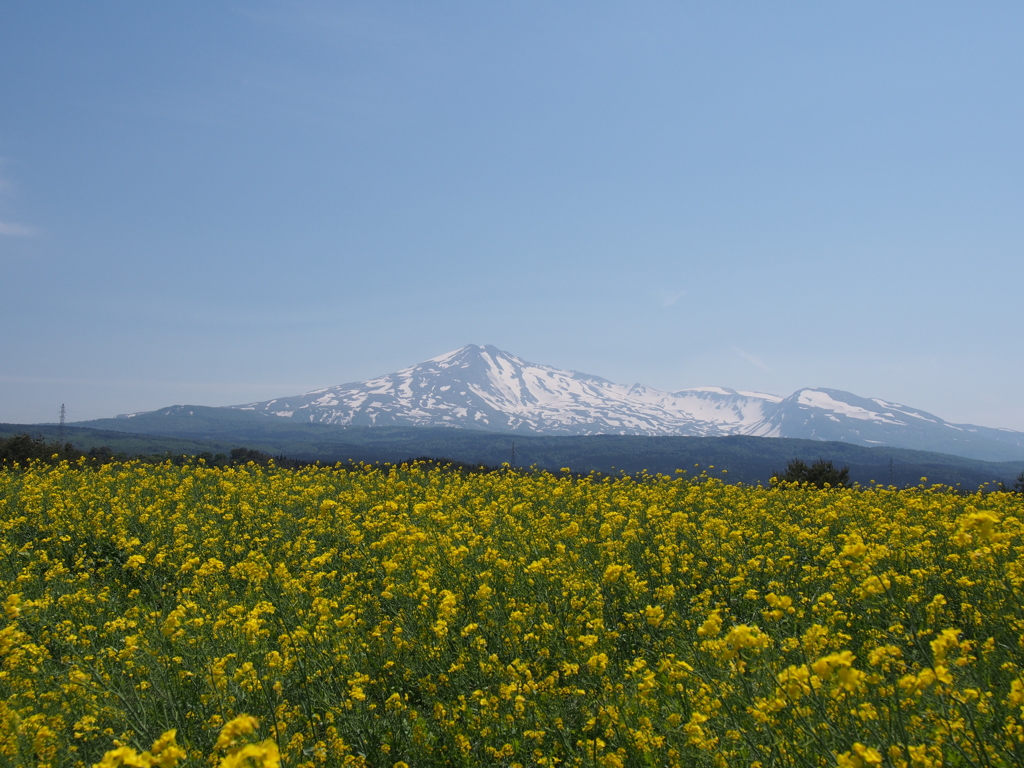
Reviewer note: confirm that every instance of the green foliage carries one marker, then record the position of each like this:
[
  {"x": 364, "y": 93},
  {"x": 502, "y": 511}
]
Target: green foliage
[
  {"x": 21, "y": 449},
  {"x": 417, "y": 615},
  {"x": 819, "y": 474}
]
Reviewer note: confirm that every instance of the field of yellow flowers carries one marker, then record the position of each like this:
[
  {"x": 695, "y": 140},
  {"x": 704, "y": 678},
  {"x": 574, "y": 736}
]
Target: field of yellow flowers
[{"x": 407, "y": 616}]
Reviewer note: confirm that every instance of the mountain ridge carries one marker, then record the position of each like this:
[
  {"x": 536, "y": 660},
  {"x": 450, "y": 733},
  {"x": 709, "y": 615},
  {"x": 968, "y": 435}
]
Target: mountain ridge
[{"x": 486, "y": 389}]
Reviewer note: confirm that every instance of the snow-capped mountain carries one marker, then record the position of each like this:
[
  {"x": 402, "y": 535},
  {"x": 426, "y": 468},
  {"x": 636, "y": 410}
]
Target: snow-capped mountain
[
  {"x": 484, "y": 388},
  {"x": 830, "y": 414}
]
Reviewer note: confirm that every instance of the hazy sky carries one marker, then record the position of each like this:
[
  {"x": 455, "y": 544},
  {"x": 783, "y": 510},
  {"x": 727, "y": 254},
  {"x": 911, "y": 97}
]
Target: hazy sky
[{"x": 219, "y": 202}]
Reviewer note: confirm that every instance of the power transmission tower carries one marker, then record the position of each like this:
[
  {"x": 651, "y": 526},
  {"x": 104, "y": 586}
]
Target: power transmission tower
[
  {"x": 60, "y": 427},
  {"x": 513, "y": 453},
  {"x": 892, "y": 471}
]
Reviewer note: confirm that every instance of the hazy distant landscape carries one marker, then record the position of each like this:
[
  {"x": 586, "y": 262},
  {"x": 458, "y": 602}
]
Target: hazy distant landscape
[
  {"x": 480, "y": 405},
  {"x": 745, "y": 459}
]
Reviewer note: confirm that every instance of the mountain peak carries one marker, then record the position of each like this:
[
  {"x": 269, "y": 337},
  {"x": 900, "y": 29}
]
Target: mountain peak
[
  {"x": 470, "y": 353},
  {"x": 486, "y": 388}
]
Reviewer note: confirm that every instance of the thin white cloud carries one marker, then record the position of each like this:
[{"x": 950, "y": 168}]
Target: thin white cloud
[
  {"x": 753, "y": 360},
  {"x": 669, "y": 298},
  {"x": 8, "y": 229}
]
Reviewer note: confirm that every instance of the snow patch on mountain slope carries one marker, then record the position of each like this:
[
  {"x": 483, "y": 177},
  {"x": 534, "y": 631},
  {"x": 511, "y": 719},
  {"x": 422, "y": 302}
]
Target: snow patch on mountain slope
[
  {"x": 818, "y": 399},
  {"x": 476, "y": 385}
]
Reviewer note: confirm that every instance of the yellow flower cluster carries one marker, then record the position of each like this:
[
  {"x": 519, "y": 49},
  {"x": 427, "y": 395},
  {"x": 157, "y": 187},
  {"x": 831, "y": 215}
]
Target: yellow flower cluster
[
  {"x": 407, "y": 616},
  {"x": 165, "y": 752}
]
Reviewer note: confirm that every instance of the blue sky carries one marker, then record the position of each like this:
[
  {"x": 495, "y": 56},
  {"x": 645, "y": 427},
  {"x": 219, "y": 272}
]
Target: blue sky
[{"x": 213, "y": 203}]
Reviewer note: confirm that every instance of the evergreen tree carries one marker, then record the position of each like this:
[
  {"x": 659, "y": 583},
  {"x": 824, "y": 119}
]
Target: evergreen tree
[{"x": 820, "y": 474}]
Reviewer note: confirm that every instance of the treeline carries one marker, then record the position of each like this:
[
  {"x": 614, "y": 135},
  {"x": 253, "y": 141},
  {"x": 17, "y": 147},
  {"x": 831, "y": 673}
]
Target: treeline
[
  {"x": 823, "y": 474},
  {"x": 22, "y": 449}
]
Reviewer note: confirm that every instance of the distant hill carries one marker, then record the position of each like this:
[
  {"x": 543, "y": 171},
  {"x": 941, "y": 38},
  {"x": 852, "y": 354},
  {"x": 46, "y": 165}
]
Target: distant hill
[
  {"x": 192, "y": 429},
  {"x": 128, "y": 443}
]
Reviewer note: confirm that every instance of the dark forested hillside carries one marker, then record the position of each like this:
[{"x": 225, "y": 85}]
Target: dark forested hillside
[{"x": 195, "y": 430}]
